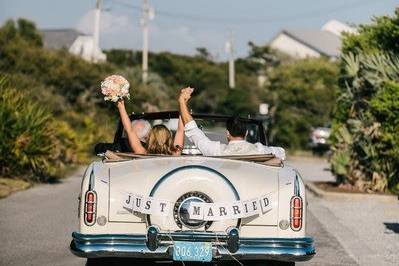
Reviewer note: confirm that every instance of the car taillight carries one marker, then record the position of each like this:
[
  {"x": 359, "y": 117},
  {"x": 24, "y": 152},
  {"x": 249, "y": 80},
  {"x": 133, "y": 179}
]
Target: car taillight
[
  {"x": 296, "y": 213},
  {"x": 90, "y": 207}
]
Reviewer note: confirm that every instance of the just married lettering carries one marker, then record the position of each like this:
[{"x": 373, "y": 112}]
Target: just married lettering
[{"x": 201, "y": 210}]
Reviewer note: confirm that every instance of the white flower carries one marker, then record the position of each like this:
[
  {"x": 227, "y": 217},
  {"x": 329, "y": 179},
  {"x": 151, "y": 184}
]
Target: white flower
[{"x": 114, "y": 88}]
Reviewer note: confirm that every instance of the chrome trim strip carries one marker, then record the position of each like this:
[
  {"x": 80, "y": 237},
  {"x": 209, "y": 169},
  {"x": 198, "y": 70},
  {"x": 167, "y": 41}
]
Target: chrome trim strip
[
  {"x": 284, "y": 249},
  {"x": 91, "y": 180},
  {"x": 297, "y": 191}
]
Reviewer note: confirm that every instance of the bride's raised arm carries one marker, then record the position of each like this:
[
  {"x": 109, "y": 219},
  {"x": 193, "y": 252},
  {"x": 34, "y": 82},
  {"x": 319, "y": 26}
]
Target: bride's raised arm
[
  {"x": 134, "y": 141},
  {"x": 179, "y": 137}
]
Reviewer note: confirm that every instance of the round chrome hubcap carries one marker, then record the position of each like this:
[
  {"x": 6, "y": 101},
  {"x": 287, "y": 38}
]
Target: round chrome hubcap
[{"x": 181, "y": 210}]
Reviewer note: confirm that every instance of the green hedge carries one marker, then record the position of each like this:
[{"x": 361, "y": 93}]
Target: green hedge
[
  {"x": 51, "y": 110},
  {"x": 33, "y": 144},
  {"x": 366, "y": 118}
]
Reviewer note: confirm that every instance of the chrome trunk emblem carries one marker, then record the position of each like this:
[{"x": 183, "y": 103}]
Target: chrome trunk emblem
[{"x": 181, "y": 210}]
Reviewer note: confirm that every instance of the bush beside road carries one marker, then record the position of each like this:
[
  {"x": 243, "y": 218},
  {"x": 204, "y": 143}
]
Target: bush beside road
[
  {"x": 366, "y": 118},
  {"x": 49, "y": 112}
]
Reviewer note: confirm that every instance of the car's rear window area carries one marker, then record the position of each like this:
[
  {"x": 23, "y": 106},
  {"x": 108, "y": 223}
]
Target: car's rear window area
[{"x": 214, "y": 130}]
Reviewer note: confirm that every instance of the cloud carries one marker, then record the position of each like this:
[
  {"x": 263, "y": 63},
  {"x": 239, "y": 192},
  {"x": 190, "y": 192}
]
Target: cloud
[
  {"x": 122, "y": 31},
  {"x": 184, "y": 39},
  {"x": 108, "y": 22}
]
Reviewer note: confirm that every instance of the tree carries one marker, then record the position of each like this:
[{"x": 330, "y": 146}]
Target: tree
[
  {"x": 27, "y": 30},
  {"x": 203, "y": 53},
  {"x": 266, "y": 55},
  {"x": 301, "y": 95},
  {"x": 123, "y": 58},
  {"x": 381, "y": 35},
  {"x": 366, "y": 118},
  {"x": 259, "y": 59}
]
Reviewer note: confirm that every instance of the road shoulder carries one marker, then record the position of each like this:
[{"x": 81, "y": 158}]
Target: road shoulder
[{"x": 360, "y": 226}]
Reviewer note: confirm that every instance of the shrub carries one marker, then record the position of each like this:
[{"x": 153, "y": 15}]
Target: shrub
[
  {"x": 33, "y": 145},
  {"x": 365, "y": 131},
  {"x": 74, "y": 117},
  {"x": 366, "y": 118}
]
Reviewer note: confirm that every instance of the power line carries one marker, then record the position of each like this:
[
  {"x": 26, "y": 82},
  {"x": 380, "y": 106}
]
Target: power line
[{"x": 244, "y": 20}]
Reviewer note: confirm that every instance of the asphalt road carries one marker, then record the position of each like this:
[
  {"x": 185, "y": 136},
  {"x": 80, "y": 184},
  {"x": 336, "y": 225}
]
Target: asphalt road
[{"x": 36, "y": 226}]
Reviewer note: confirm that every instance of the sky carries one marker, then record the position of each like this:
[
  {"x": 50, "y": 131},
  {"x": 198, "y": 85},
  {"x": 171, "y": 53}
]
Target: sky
[{"x": 180, "y": 26}]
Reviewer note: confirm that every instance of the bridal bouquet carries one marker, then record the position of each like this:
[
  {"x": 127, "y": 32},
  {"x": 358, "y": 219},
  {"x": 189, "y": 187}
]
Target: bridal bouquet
[{"x": 115, "y": 88}]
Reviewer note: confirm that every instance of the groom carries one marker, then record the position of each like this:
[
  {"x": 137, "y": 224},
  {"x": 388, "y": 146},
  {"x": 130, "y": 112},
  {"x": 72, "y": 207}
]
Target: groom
[{"x": 236, "y": 132}]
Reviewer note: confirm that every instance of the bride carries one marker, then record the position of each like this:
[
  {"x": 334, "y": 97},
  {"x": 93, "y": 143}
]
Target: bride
[{"x": 160, "y": 140}]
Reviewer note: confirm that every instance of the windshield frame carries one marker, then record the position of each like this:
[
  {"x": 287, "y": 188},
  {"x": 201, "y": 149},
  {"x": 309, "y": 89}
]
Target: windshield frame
[{"x": 175, "y": 114}]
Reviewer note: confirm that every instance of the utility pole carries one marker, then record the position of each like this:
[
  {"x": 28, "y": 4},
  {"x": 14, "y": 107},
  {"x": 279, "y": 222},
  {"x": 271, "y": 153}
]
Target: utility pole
[
  {"x": 96, "y": 31},
  {"x": 148, "y": 14},
  {"x": 230, "y": 51}
]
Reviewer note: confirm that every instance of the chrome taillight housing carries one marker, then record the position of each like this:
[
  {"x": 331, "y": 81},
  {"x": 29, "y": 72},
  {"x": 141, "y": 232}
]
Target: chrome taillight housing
[
  {"x": 296, "y": 213},
  {"x": 90, "y": 210}
]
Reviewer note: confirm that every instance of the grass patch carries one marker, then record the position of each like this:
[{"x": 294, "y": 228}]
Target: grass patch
[
  {"x": 9, "y": 185},
  {"x": 346, "y": 188}
]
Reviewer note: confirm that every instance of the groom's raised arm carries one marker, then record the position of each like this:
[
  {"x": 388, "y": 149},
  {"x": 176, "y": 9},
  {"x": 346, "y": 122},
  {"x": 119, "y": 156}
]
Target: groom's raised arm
[
  {"x": 203, "y": 143},
  {"x": 185, "y": 95}
]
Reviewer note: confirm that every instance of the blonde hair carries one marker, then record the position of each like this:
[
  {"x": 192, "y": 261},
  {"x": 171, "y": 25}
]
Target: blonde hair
[{"x": 160, "y": 141}]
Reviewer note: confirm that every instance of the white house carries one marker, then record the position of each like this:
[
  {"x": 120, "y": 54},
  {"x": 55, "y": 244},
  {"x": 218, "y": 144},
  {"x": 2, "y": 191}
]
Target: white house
[
  {"x": 75, "y": 42},
  {"x": 302, "y": 43}
]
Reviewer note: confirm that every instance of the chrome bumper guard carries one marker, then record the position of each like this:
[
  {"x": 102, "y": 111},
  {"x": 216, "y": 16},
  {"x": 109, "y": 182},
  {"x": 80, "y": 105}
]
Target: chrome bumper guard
[{"x": 134, "y": 246}]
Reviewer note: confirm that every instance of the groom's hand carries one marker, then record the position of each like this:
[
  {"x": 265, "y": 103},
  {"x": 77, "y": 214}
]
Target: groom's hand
[{"x": 185, "y": 95}]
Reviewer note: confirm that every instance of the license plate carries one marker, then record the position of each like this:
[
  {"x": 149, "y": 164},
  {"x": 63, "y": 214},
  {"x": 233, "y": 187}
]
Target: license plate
[{"x": 192, "y": 251}]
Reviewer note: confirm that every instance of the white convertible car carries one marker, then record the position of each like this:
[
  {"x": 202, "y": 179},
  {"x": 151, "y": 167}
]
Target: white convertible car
[{"x": 191, "y": 207}]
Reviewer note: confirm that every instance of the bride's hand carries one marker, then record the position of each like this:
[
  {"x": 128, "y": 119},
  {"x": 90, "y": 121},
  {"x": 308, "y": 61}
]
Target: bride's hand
[{"x": 120, "y": 104}]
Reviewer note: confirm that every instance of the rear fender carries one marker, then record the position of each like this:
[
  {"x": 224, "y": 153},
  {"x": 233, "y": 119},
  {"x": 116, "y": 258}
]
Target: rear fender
[{"x": 95, "y": 179}]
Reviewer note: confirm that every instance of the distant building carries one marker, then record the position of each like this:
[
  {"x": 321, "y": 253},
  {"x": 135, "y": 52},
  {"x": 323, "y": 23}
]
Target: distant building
[
  {"x": 302, "y": 43},
  {"x": 75, "y": 42}
]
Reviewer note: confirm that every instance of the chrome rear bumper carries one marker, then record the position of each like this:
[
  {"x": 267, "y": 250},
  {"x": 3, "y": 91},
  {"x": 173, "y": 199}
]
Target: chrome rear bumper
[{"x": 134, "y": 246}]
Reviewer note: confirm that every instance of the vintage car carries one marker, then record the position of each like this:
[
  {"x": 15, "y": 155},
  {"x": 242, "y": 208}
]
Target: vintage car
[{"x": 249, "y": 209}]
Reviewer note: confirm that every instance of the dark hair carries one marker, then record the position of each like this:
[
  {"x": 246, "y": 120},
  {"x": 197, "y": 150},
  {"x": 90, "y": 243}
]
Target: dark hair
[{"x": 236, "y": 127}]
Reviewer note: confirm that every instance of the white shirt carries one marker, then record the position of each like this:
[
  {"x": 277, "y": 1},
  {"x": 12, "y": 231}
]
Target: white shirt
[{"x": 234, "y": 147}]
